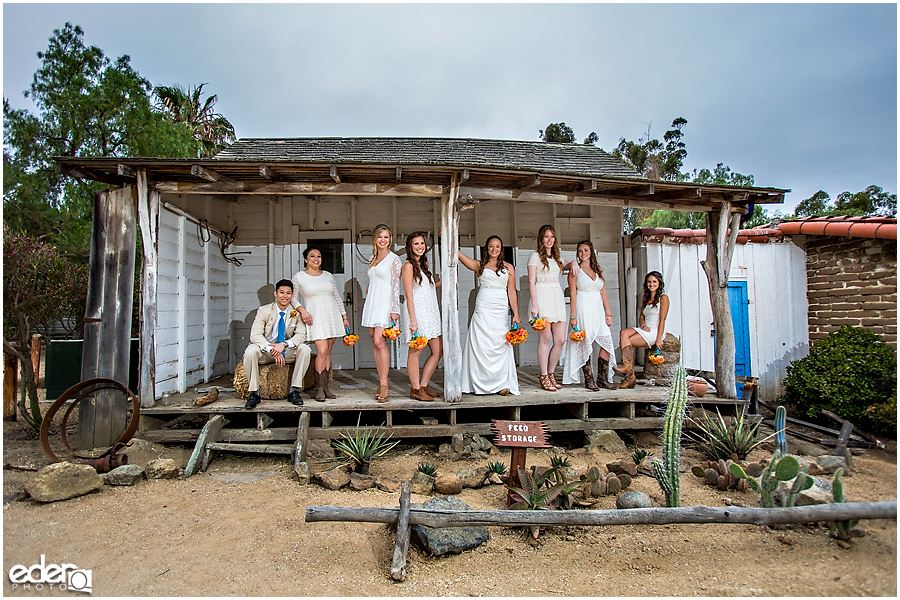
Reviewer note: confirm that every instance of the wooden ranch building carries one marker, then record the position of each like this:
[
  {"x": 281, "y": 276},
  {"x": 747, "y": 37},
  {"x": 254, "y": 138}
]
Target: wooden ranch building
[{"x": 218, "y": 232}]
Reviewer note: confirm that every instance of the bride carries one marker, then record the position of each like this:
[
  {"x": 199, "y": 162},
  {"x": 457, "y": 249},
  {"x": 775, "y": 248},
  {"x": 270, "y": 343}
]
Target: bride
[{"x": 488, "y": 365}]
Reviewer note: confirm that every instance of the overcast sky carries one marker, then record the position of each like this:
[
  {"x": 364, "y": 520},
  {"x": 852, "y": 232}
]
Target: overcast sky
[{"x": 801, "y": 96}]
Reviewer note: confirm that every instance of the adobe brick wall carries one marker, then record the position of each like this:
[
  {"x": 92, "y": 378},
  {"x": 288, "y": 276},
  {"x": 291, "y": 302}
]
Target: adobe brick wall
[{"x": 852, "y": 281}]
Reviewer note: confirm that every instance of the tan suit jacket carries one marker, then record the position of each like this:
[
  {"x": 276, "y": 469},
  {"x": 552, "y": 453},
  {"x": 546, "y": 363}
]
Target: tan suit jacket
[{"x": 266, "y": 322}]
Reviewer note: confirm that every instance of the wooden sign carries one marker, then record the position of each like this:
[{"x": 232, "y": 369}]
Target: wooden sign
[{"x": 520, "y": 434}]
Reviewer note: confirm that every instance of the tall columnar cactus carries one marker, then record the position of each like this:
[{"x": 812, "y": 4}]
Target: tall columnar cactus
[
  {"x": 666, "y": 470},
  {"x": 780, "y": 437}
]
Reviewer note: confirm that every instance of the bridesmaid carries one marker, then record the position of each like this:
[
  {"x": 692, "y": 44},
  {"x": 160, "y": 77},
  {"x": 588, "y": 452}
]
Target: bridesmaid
[
  {"x": 587, "y": 302},
  {"x": 548, "y": 302},
  {"x": 322, "y": 311},
  {"x": 652, "y": 326},
  {"x": 422, "y": 315},
  {"x": 488, "y": 364},
  {"x": 382, "y": 303}
]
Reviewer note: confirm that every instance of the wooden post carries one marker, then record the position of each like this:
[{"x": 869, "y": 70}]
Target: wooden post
[
  {"x": 517, "y": 460},
  {"x": 36, "y": 359},
  {"x": 301, "y": 448},
  {"x": 208, "y": 435},
  {"x": 401, "y": 546},
  {"x": 716, "y": 267},
  {"x": 450, "y": 292},
  {"x": 10, "y": 386},
  {"x": 148, "y": 216}
]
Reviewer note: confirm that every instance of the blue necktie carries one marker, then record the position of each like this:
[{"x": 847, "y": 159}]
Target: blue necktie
[{"x": 281, "y": 330}]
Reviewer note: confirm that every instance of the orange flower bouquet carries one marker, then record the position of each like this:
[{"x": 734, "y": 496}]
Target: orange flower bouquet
[
  {"x": 351, "y": 338},
  {"x": 516, "y": 335},
  {"x": 656, "y": 357},
  {"x": 392, "y": 332},
  {"x": 538, "y": 323},
  {"x": 577, "y": 335},
  {"x": 418, "y": 341}
]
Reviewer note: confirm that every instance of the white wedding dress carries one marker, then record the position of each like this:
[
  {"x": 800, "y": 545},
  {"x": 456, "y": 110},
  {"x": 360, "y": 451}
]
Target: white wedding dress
[{"x": 488, "y": 364}]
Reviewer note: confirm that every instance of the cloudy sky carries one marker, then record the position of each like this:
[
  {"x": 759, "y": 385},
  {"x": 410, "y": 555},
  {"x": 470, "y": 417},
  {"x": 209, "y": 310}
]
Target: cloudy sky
[{"x": 801, "y": 96}]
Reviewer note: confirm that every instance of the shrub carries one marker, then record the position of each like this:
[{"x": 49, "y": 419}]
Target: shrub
[{"x": 846, "y": 372}]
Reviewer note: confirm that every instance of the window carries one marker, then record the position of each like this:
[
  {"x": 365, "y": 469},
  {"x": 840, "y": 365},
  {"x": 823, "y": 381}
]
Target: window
[{"x": 332, "y": 254}]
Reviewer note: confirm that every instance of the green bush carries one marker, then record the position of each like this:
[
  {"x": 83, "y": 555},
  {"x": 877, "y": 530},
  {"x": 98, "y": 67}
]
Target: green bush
[{"x": 846, "y": 372}]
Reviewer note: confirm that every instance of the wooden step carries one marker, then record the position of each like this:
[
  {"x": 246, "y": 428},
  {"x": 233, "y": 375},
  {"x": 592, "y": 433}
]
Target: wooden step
[{"x": 252, "y": 448}]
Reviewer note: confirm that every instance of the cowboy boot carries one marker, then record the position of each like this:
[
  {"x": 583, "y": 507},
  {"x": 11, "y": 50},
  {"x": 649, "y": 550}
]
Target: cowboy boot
[
  {"x": 603, "y": 374},
  {"x": 628, "y": 368},
  {"x": 588, "y": 376},
  {"x": 320, "y": 386},
  {"x": 325, "y": 377}
]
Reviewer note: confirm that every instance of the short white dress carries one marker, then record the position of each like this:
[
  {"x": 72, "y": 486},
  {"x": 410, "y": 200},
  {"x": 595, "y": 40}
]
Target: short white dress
[
  {"x": 591, "y": 315},
  {"x": 428, "y": 315},
  {"x": 321, "y": 298},
  {"x": 550, "y": 298},
  {"x": 383, "y": 297},
  {"x": 651, "y": 320}
]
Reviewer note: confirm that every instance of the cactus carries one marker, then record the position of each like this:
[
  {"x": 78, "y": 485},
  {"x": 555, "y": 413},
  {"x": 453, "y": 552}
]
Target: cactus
[
  {"x": 718, "y": 474},
  {"x": 595, "y": 485},
  {"x": 427, "y": 468},
  {"x": 666, "y": 470},
  {"x": 496, "y": 467},
  {"x": 837, "y": 490},
  {"x": 780, "y": 438},
  {"x": 779, "y": 469}
]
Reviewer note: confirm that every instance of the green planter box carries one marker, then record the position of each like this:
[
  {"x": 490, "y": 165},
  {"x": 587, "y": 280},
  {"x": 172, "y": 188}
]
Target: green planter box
[{"x": 63, "y": 367}]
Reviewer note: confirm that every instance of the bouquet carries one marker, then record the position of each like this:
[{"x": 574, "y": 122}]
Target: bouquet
[
  {"x": 537, "y": 323},
  {"x": 418, "y": 341},
  {"x": 392, "y": 332},
  {"x": 515, "y": 335},
  {"x": 351, "y": 338},
  {"x": 656, "y": 357},
  {"x": 577, "y": 335}
]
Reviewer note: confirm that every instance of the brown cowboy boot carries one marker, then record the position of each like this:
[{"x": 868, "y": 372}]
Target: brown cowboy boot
[
  {"x": 325, "y": 377},
  {"x": 628, "y": 368},
  {"x": 603, "y": 374},
  {"x": 588, "y": 376},
  {"x": 320, "y": 386}
]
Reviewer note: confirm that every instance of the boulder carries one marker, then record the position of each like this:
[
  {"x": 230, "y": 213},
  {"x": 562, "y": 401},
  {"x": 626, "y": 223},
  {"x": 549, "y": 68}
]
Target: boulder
[
  {"x": 421, "y": 483},
  {"x": 333, "y": 479},
  {"x": 633, "y": 499},
  {"x": 361, "y": 482},
  {"x": 124, "y": 475},
  {"x": 388, "y": 485},
  {"x": 445, "y": 540},
  {"x": 646, "y": 466},
  {"x": 444, "y": 450},
  {"x": 604, "y": 439},
  {"x": 829, "y": 464},
  {"x": 320, "y": 449},
  {"x": 625, "y": 465},
  {"x": 301, "y": 472},
  {"x": 495, "y": 479},
  {"x": 61, "y": 481},
  {"x": 473, "y": 478},
  {"x": 647, "y": 438},
  {"x": 806, "y": 448},
  {"x": 163, "y": 468},
  {"x": 457, "y": 443},
  {"x": 448, "y": 484}
]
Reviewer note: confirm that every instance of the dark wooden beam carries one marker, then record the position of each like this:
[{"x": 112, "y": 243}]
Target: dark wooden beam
[
  {"x": 290, "y": 189},
  {"x": 333, "y": 172},
  {"x": 528, "y": 182},
  {"x": 270, "y": 173},
  {"x": 589, "y": 186},
  {"x": 399, "y": 174},
  {"x": 465, "y": 176},
  {"x": 646, "y": 190},
  {"x": 209, "y": 175},
  {"x": 126, "y": 171},
  {"x": 71, "y": 171}
]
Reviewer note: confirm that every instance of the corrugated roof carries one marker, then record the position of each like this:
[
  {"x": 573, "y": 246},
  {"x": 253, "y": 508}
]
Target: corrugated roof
[
  {"x": 571, "y": 159},
  {"x": 843, "y": 226}
]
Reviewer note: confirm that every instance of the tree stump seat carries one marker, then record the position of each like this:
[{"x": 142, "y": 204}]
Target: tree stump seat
[{"x": 274, "y": 380}]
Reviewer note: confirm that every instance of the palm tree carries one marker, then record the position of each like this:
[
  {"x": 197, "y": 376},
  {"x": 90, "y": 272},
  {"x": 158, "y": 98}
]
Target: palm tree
[{"x": 212, "y": 129}]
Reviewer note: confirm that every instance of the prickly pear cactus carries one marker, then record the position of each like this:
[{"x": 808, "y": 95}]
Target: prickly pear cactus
[
  {"x": 666, "y": 470},
  {"x": 596, "y": 485},
  {"x": 718, "y": 474}
]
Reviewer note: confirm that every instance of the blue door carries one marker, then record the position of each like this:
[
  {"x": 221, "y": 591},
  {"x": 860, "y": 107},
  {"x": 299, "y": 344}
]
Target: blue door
[{"x": 740, "y": 318}]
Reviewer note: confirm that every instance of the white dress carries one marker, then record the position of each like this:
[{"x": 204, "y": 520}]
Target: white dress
[
  {"x": 323, "y": 301},
  {"x": 651, "y": 320},
  {"x": 428, "y": 315},
  {"x": 591, "y": 315},
  {"x": 550, "y": 298},
  {"x": 488, "y": 364},
  {"x": 383, "y": 297}
]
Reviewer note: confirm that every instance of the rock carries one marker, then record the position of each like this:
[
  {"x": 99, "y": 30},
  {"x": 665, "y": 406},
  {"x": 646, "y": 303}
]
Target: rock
[
  {"x": 481, "y": 443},
  {"x": 457, "y": 443},
  {"x": 604, "y": 439},
  {"x": 646, "y": 466},
  {"x": 494, "y": 478},
  {"x": 633, "y": 500},
  {"x": 448, "y": 485},
  {"x": 124, "y": 475},
  {"x": 830, "y": 464},
  {"x": 444, "y": 450},
  {"x": 647, "y": 438},
  {"x": 163, "y": 468},
  {"x": 388, "y": 485},
  {"x": 478, "y": 454},
  {"x": 320, "y": 449},
  {"x": 571, "y": 474},
  {"x": 577, "y": 451},
  {"x": 473, "y": 478},
  {"x": 807, "y": 448},
  {"x": 625, "y": 465},
  {"x": 684, "y": 465},
  {"x": 301, "y": 472},
  {"x": 819, "y": 493},
  {"x": 443, "y": 540},
  {"x": 421, "y": 483},
  {"x": 333, "y": 479},
  {"x": 61, "y": 481},
  {"x": 139, "y": 445},
  {"x": 361, "y": 482}
]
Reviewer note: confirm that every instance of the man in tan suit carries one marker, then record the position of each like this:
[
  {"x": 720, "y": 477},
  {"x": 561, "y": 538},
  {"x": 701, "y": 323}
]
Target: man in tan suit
[{"x": 278, "y": 335}]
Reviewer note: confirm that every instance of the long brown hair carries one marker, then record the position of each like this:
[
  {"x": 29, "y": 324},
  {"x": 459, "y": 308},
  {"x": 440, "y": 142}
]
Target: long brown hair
[
  {"x": 593, "y": 260},
  {"x": 378, "y": 229},
  {"x": 659, "y": 291},
  {"x": 419, "y": 265},
  {"x": 485, "y": 257},
  {"x": 542, "y": 251}
]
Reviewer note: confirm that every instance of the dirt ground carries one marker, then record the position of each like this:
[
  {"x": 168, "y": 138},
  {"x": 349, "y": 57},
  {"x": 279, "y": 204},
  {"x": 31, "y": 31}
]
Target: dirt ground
[{"x": 207, "y": 536}]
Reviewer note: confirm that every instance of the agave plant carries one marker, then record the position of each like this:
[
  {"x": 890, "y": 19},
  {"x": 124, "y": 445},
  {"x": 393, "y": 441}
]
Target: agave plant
[
  {"x": 720, "y": 440},
  {"x": 361, "y": 446},
  {"x": 638, "y": 456},
  {"x": 496, "y": 467},
  {"x": 532, "y": 495},
  {"x": 427, "y": 468}
]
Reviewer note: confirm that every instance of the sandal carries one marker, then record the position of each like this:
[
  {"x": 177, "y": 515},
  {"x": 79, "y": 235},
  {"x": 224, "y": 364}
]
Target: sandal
[
  {"x": 381, "y": 394},
  {"x": 553, "y": 381},
  {"x": 547, "y": 384}
]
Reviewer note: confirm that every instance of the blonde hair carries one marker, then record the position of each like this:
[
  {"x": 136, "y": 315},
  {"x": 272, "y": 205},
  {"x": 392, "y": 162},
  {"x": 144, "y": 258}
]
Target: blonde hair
[
  {"x": 542, "y": 250},
  {"x": 378, "y": 229}
]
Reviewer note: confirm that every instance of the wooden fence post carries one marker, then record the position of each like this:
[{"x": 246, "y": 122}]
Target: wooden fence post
[{"x": 10, "y": 386}]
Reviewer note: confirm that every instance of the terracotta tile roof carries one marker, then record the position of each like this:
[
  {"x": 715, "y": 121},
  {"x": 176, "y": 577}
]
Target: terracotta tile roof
[
  {"x": 570, "y": 159},
  {"x": 757, "y": 235},
  {"x": 842, "y": 226}
]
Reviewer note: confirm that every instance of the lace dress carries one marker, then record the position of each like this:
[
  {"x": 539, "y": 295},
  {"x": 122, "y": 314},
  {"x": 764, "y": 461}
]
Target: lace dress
[
  {"x": 383, "y": 297},
  {"x": 488, "y": 364},
  {"x": 428, "y": 315},
  {"x": 591, "y": 315},
  {"x": 546, "y": 287},
  {"x": 323, "y": 301},
  {"x": 651, "y": 320}
]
